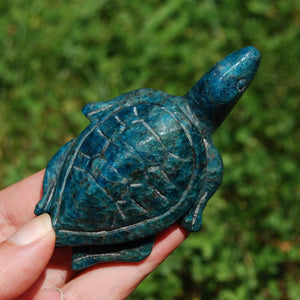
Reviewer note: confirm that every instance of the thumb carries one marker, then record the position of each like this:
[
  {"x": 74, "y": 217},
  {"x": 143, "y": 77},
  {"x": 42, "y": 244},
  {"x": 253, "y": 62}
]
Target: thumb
[{"x": 24, "y": 256}]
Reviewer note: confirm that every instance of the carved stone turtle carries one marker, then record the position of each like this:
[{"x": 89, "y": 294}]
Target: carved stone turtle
[{"x": 146, "y": 161}]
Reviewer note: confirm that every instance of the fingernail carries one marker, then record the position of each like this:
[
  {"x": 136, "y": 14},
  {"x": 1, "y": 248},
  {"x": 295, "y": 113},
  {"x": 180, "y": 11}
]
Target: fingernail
[
  {"x": 32, "y": 231},
  {"x": 51, "y": 294},
  {"x": 61, "y": 293}
]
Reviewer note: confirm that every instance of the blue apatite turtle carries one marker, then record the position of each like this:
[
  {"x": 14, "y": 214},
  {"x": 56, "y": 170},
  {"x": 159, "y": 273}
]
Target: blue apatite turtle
[{"x": 145, "y": 161}]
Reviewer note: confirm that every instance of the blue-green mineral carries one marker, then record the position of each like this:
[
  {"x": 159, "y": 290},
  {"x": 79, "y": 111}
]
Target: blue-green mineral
[{"x": 146, "y": 161}]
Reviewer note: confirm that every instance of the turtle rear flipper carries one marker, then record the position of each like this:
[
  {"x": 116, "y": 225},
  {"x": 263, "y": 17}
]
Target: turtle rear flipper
[
  {"x": 51, "y": 177},
  {"x": 192, "y": 220},
  {"x": 85, "y": 256}
]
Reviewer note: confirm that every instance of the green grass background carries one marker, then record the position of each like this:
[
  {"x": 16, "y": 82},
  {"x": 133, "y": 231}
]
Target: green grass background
[{"x": 56, "y": 56}]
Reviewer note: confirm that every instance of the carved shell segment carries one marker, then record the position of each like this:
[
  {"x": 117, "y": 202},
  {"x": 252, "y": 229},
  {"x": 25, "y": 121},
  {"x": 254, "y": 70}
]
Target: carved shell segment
[{"x": 133, "y": 166}]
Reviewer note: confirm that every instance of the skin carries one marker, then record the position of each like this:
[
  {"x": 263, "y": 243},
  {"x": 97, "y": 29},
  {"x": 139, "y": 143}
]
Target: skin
[{"x": 37, "y": 270}]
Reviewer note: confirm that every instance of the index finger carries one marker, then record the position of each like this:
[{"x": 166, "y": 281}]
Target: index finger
[{"x": 17, "y": 203}]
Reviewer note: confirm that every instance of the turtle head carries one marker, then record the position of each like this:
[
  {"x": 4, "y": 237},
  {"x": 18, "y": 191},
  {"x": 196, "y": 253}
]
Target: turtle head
[{"x": 215, "y": 94}]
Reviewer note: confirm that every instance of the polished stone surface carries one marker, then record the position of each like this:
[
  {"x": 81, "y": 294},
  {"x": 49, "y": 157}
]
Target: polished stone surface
[{"x": 145, "y": 161}]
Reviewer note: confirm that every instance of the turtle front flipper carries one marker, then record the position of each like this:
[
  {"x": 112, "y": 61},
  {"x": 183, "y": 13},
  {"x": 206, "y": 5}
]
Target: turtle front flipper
[
  {"x": 95, "y": 110},
  {"x": 192, "y": 220},
  {"x": 98, "y": 110},
  {"x": 51, "y": 177},
  {"x": 86, "y": 256}
]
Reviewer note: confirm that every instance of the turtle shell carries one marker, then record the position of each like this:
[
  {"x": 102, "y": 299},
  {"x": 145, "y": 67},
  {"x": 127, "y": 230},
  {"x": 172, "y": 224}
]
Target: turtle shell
[{"x": 128, "y": 176}]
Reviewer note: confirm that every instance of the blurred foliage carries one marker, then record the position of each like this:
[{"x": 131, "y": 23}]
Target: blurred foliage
[{"x": 56, "y": 56}]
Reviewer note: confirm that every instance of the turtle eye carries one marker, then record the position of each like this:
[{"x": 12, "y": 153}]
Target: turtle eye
[{"x": 241, "y": 84}]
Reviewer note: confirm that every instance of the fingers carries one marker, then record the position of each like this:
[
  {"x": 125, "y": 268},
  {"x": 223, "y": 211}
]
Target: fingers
[
  {"x": 50, "y": 294},
  {"x": 164, "y": 245},
  {"x": 24, "y": 256},
  {"x": 117, "y": 281},
  {"x": 17, "y": 203}
]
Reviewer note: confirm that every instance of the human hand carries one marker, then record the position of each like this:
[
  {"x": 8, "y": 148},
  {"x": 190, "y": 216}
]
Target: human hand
[{"x": 30, "y": 267}]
